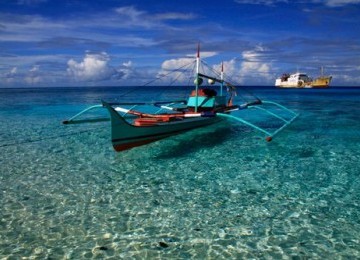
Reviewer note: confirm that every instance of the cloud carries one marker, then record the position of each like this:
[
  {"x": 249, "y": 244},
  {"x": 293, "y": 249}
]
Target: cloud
[
  {"x": 174, "y": 16},
  {"x": 30, "y": 2},
  {"x": 31, "y": 76},
  {"x": 146, "y": 37},
  {"x": 181, "y": 69},
  {"x": 337, "y": 3},
  {"x": 34, "y": 75},
  {"x": 170, "y": 70},
  {"x": 125, "y": 71},
  {"x": 95, "y": 67},
  {"x": 329, "y": 3},
  {"x": 10, "y": 75},
  {"x": 71, "y": 43},
  {"x": 133, "y": 17},
  {"x": 13, "y": 70},
  {"x": 231, "y": 68},
  {"x": 261, "y": 2},
  {"x": 130, "y": 12},
  {"x": 136, "y": 15},
  {"x": 44, "y": 32},
  {"x": 29, "y": 28},
  {"x": 173, "y": 64},
  {"x": 252, "y": 67},
  {"x": 48, "y": 70}
]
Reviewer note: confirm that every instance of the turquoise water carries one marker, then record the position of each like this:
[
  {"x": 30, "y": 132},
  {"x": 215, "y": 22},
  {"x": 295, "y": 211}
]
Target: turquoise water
[{"x": 218, "y": 192}]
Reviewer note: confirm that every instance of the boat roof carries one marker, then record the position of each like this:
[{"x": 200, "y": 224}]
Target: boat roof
[{"x": 299, "y": 74}]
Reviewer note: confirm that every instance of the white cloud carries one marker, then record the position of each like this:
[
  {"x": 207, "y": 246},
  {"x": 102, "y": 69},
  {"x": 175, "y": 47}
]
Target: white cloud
[
  {"x": 251, "y": 68},
  {"x": 330, "y": 3},
  {"x": 125, "y": 71},
  {"x": 174, "y": 69},
  {"x": 168, "y": 68},
  {"x": 29, "y": 28},
  {"x": 34, "y": 76},
  {"x": 136, "y": 15},
  {"x": 255, "y": 69},
  {"x": 254, "y": 66},
  {"x": 13, "y": 70},
  {"x": 131, "y": 12},
  {"x": 261, "y": 2},
  {"x": 35, "y": 69},
  {"x": 173, "y": 64},
  {"x": 337, "y": 3},
  {"x": 174, "y": 16},
  {"x": 231, "y": 69},
  {"x": 94, "y": 67},
  {"x": 24, "y": 28},
  {"x": 133, "y": 17},
  {"x": 206, "y": 54},
  {"x": 10, "y": 76}
]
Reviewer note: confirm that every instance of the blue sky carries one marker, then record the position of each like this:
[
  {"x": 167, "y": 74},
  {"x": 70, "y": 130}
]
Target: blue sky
[{"x": 128, "y": 42}]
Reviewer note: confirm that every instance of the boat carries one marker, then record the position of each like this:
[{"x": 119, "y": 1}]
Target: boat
[
  {"x": 138, "y": 123},
  {"x": 302, "y": 80}
]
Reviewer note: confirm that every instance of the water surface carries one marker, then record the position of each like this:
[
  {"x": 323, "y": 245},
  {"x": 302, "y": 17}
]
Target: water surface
[{"x": 218, "y": 192}]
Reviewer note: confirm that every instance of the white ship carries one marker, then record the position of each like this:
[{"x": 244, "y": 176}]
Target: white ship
[{"x": 301, "y": 80}]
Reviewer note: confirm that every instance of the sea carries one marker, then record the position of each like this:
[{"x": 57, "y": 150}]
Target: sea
[{"x": 219, "y": 192}]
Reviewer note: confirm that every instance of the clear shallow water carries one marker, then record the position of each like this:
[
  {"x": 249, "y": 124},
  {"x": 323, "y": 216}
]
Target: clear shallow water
[{"x": 219, "y": 192}]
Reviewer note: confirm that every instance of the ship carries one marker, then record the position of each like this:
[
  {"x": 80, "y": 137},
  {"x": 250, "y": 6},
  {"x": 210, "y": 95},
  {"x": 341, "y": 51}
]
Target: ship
[{"x": 302, "y": 80}]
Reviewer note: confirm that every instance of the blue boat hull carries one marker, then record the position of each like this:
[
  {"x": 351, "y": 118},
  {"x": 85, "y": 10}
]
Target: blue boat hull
[{"x": 125, "y": 135}]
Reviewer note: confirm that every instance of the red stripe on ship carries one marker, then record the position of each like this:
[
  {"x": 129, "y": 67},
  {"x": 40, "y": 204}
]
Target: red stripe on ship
[
  {"x": 141, "y": 121},
  {"x": 123, "y": 147}
]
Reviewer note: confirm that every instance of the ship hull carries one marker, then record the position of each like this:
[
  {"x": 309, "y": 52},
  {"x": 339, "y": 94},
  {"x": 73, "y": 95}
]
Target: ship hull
[{"x": 321, "y": 82}]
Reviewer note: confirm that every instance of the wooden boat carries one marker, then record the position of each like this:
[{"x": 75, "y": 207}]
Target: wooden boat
[{"x": 132, "y": 126}]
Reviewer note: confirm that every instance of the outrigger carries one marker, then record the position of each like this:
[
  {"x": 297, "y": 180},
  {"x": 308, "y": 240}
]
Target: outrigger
[{"x": 131, "y": 126}]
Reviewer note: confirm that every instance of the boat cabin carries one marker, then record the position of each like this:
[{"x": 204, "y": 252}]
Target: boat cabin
[
  {"x": 205, "y": 100},
  {"x": 299, "y": 76}
]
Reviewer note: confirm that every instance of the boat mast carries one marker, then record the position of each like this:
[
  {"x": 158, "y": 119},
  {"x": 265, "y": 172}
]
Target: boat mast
[
  {"x": 197, "y": 77},
  {"x": 222, "y": 78}
]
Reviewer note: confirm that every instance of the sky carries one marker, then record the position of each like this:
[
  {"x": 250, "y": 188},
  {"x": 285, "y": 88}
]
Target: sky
[{"x": 45, "y": 43}]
